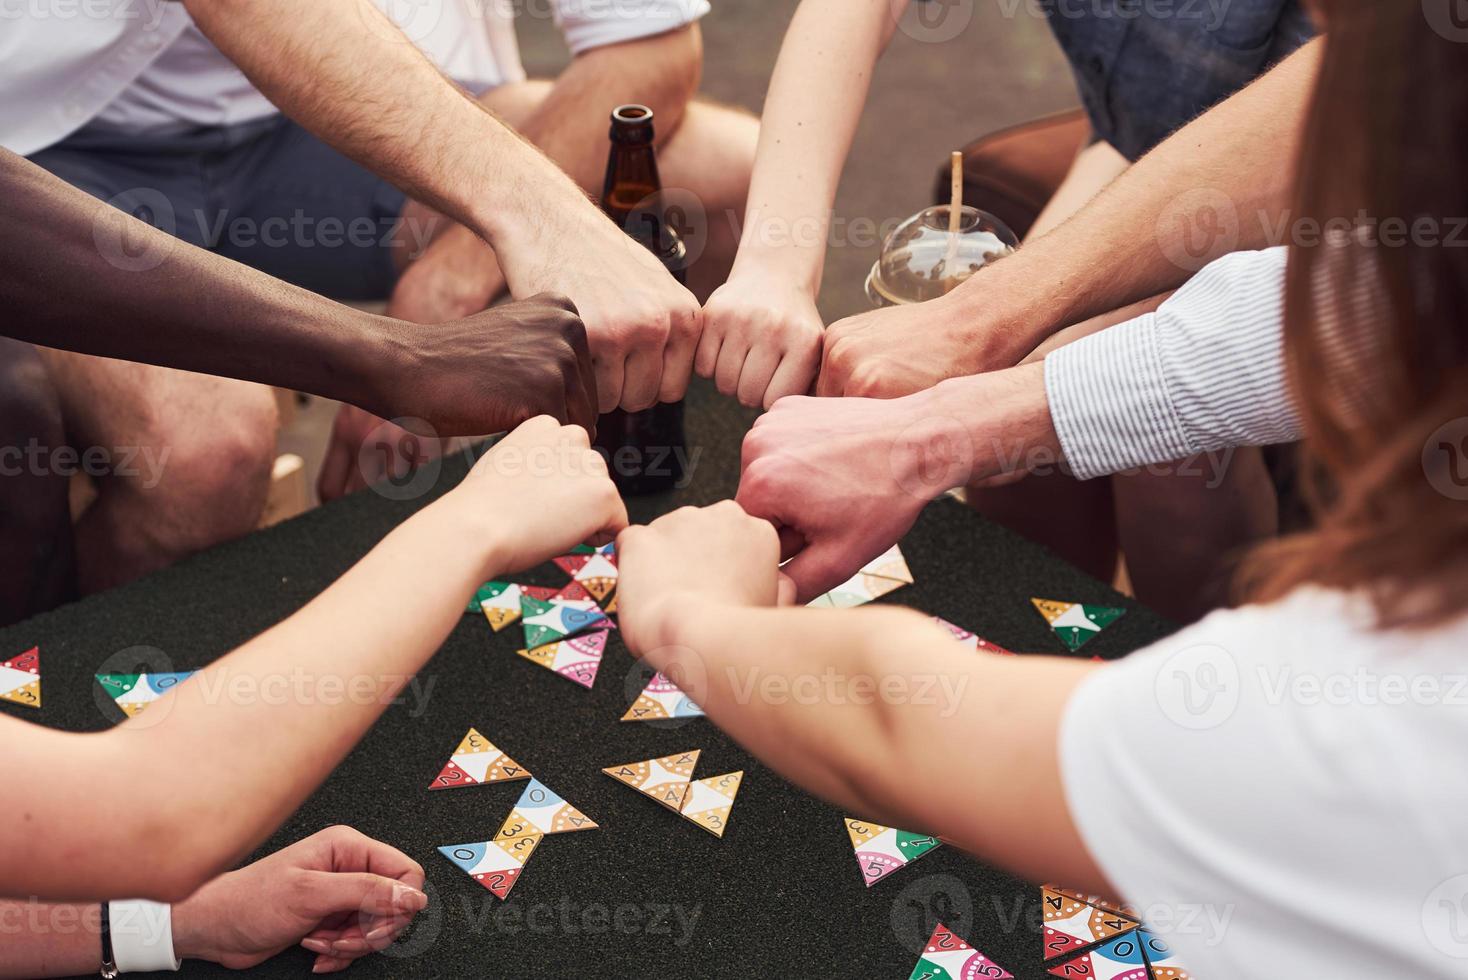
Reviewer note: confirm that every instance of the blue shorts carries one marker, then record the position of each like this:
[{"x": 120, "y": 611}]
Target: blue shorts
[
  {"x": 1146, "y": 68},
  {"x": 265, "y": 193}
]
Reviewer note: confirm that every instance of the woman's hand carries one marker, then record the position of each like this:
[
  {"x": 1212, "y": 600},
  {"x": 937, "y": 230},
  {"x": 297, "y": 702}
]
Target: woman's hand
[
  {"x": 694, "y": 554},
  {"x": 339, "y": 894},
  {"x": 761, "y": 339},
  {"x": 540, "y": 492}
]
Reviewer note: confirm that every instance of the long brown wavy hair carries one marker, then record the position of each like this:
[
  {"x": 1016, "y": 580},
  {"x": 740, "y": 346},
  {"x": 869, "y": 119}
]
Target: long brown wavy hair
[{"x": 1376, "y": 316}]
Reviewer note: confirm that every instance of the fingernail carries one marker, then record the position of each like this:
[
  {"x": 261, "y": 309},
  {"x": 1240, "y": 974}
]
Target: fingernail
[
  {"x": 382, "y": 930},
  {"x": 316, "y": 945},
  {"x": 405, "y": 897}
]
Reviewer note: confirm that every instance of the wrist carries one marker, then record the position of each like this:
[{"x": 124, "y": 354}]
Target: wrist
[
  {"x": 790, "y": 268},
  {"x": 1004, "y": 418},
  {"x": 376, "y": 363},
  {"x": 194, "y": 923}
]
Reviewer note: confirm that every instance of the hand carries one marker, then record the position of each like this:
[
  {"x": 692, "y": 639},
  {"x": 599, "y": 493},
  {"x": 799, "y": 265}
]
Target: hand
[
  {"x": 761, "y": 340},
  {"x": 455, "y": 277},
  {"x": 642, "y": 325},
  {"x": 489, "y": 372},
  {"x": 339, "y": 894},
  {"x": 364, "y": 449},
  {"x": 844, "y": 479},
  {"x": 540, "y": 492},
  {"x": 899, "y": 350},
  {"x": 718, "y": 553}
]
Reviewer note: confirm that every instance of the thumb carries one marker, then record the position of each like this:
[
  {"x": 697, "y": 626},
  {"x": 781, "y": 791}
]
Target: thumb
[
  {"x": 327, "y": 893},
  {"x": 822, "y": 565}
]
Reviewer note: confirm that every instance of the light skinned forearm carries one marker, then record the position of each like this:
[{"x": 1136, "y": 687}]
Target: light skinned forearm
[
  {"x": 402, "y": 119},
  {"x": 1149, "y": 230},
  {"x": 992, "y": 425},
  {"x": 249, "y": 737},
  {"x": 868, "y": 708},
  {"x": 811, "y": 113},
  {"x": 83, "y": 276},
  {"x": 661, "y": 72},
  {"x": 41, "y": 939}
]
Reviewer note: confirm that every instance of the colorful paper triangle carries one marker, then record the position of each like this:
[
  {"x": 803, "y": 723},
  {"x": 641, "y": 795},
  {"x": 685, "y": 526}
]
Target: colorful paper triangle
[
  {"x": 883, "y": 574},
  {"x": 134, "y": 692},
  {"x": 499, "y": 601},
  {"x": 883, "y": 850},
  {"x": 540, "y": 810},
  {"x": 708, "y": 802},
  {"x": 1119, "y": 959},
  {"x": 555, "y": 618},
  {"x": 20, "y": 678},
  {"x": 577, "y": 658},
  {"x": 661, "y": 699},
  {"x": 495, "y": 864},
  {"x": 946, "y": 957},
  {"x": 1072, "y": 923},
  {"x": 1075, "y": 622},
  {"x": 477, "y": 761},
  {"x": 594, "y": 568},
  {"x": 971, "y": 640},
  {"x": 664, "y": 780}
]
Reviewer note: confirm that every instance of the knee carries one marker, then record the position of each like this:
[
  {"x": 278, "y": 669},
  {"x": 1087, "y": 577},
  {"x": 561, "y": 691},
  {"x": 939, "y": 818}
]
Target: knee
[
  {"x": 32, "y": 431},
  {"x": 730, "y": 138},
  {"x": 206, "y": 476}
]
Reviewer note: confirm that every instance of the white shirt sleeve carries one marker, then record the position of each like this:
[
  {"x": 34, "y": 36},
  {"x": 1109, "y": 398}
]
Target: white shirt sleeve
[
  {"x": 1272, "y": 790},
  {"x": 589, "y": 24},
  {"x": 1206, "y": 371}
]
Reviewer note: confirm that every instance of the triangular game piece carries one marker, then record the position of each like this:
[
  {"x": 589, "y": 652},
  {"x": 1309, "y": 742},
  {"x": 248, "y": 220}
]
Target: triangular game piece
[
  {"x": 494, "y": 864},
  {"x": 1074, "y": 622},
  {"x": 541, "y": 811},
  {"x": 478, "y": 761},
  {"x": 577, "y": 659},
  {"x": 20, "y": 678},
  {"x": 134, "y": 692},
  {"x": 709, "y": 801},
  {"x": 1162, "y": 962},
  {"x": 1073, "y": 923},
  {"x": 971, "y": 640},
  {"x": 946, "y": 957},
  {"x": 665, "y": 780},
  {"x": 594, "y": 568},
  {"x": 500, "y": 603},
  {"x": 662, "y": 699},
  {"x": 883, "y": 574},
  {"x": 1119, "y": 959},
  {"x": 555, "y": 618},
  {"x": 882, "y": 850}
]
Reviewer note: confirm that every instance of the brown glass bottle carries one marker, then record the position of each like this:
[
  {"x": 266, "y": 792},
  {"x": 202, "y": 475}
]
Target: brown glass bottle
[{"x": 645, "y": 450}]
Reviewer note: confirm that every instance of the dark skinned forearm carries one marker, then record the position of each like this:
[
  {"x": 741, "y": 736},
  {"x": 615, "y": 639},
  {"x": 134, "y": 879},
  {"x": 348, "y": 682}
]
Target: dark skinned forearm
[{"x": 83, "y": 276}]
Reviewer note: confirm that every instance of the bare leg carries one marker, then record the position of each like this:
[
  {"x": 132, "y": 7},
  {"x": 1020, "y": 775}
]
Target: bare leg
[
  {"x": 188, "y": 461},
  {"x": 1182, "y": 526},
  {"x": 39, "y": 570}
]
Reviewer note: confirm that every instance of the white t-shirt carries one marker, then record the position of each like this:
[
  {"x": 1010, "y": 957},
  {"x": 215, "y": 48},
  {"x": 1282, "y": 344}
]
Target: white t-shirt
[
  {"x": 1283, "y": 791},
  {"x": 146, "y": 68}
]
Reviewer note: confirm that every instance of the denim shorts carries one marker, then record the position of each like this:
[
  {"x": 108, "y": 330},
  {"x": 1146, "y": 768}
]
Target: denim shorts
[
  {"x": 266, "y": 193},
  {"x": 1146, "y": 68}
]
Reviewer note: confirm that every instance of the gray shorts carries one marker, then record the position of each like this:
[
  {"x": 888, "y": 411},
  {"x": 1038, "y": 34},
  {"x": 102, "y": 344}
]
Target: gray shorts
[{"x": 265, "y": 193}]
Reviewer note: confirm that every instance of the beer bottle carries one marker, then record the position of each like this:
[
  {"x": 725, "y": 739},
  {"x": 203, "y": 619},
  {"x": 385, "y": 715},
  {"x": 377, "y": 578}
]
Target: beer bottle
[{"x": 645, "y": 450}]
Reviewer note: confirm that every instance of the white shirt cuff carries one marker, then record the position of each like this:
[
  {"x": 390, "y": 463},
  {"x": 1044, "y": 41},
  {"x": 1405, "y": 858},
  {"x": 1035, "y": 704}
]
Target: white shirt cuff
[{"x": 589, "y": 24}]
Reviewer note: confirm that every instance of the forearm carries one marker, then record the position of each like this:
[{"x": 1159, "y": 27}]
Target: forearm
[
  {"x": 81, "y": 275},
  {"x": 988, "y": 425},
  {"x": 41, "y": 939},
  {"x": 811, "y": 113},
  {"x": 1221, "y": 183},
  {"x": 402, "y": 119},
  {"x": 660, "y": 72},
  {"x": 863, "y": 708},
  {"x": 249, "y": 737}
]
